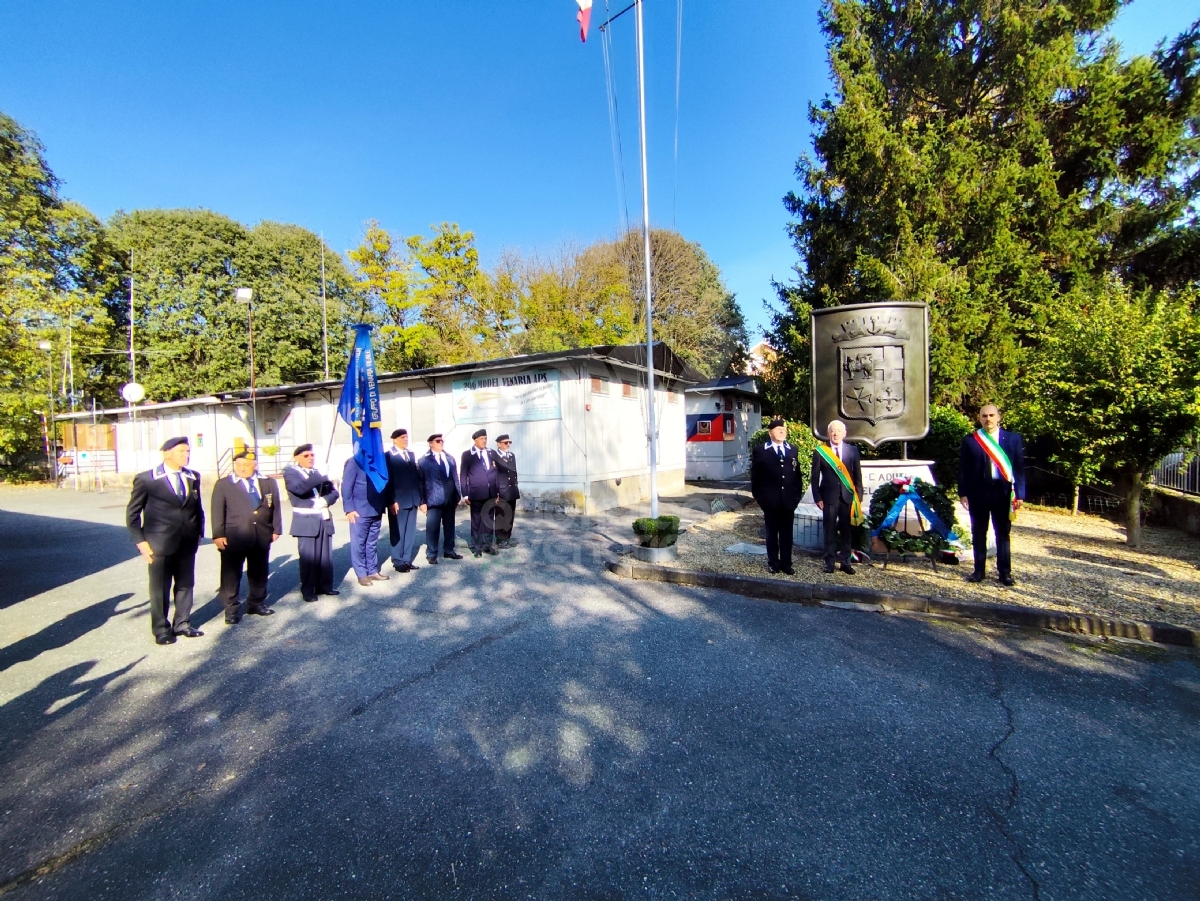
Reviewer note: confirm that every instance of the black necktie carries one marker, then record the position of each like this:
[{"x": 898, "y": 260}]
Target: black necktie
[
  {"x": 180, "y": 490},
  {"x": 780, "y": 449}
]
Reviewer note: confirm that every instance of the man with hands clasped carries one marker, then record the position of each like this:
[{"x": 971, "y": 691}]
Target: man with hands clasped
[{"x": 246, "y": 521}]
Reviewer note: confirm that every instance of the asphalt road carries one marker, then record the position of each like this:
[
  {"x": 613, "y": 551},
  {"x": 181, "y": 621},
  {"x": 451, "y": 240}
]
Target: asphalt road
[{"x": 533, "y": 727}]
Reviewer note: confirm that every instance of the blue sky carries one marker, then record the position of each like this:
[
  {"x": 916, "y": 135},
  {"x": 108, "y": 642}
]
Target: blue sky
[{"x": 490, "y": 115}]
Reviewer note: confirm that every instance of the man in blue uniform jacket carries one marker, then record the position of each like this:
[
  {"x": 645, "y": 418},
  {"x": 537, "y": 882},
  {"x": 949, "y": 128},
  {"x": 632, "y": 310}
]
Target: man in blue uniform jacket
[
  {"x": 479, "y": 486},
  {"x": 364, "y": 511},
  {"x": 991, "y": 485},
  {"x": 311, "y": 495},
  {"x": 166, "y": 519},
  {"x": 775, "y": 484},
  {"x": 246, "y": 520},
  {"x": 439, "y": 481},
  {"x": 508, "y": 489},
  {"x": 406, "y": 493}
]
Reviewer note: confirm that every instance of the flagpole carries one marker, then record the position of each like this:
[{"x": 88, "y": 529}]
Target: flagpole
[{"x": 652, "y": 425}]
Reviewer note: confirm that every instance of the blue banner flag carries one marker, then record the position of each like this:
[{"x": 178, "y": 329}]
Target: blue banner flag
[{"x": 359, "y": 406}]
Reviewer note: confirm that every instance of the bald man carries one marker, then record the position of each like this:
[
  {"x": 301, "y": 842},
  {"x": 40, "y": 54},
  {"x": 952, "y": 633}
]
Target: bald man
[{"x": 991, "y": 487}]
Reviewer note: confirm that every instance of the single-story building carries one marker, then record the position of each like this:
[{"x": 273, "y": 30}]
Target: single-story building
[
  {"x": 577, "y": 419},
  {"x": 721, "y": 417}
]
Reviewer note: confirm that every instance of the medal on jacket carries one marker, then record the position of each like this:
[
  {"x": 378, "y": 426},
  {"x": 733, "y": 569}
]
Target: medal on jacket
[{"x": 270, "y": 501}]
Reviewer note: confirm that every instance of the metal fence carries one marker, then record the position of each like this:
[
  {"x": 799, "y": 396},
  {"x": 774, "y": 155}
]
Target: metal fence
[{"x": 1179, "y": 471}]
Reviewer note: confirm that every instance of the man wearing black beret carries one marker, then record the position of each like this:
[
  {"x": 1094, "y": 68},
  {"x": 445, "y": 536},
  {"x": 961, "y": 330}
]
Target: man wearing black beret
[
  {"x": 311, "y": 494},
  {"x": 246, "y": 521},
  {"x": 477, "y": 471},
  {"x": 439, "y": 485},
  {"x": 406, "y": 494},
  {"x": 166, "y": 519},
  {"x": 508, "y": 491}
]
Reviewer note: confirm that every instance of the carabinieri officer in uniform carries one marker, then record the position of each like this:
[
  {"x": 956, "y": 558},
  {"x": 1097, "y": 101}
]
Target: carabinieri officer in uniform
[
  {"x": 166, "y": 519},
  {"x": 311, "y": 495},
  {"x": 246, "y": 521},
  {"x": 775, "y": 484}
]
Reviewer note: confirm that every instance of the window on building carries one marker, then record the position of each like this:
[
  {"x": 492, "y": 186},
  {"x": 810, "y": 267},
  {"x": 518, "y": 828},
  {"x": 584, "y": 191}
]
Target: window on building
[
  {"x": 728, "y": 404},
  {"x": 627, "y": 389},
  {"x": 704, "y": 427},
  {"x": 599, "y": 385},
  {"x": 672, "y": 397}
]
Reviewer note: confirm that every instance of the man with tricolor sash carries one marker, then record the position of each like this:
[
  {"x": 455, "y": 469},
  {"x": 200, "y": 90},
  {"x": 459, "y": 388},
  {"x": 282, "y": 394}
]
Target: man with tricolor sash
[
  {"x": 991, "y": 486},
  {"x": 837, "y": 490}
]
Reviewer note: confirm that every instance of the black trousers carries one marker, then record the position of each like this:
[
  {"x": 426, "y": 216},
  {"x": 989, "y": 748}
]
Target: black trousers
[
  {"x": 316, "y": 562},
  {"x": 483, "y": 528},
  {"x": 167, "y": 571},
  {"x": 993, "y": 504},
  {"x": 835, "y": 522},
  {"x": 435, "y": 518},
  {"x": 254, "y": 558},
  {"x": 505, "y": 513},
  {"x": 779, "y": 535}
]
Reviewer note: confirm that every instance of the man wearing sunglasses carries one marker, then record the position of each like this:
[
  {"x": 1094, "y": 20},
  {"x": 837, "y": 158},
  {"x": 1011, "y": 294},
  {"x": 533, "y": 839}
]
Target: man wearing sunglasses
[
  {"x": 439, "y": 480},
  {"x": 506, "y": 484}
]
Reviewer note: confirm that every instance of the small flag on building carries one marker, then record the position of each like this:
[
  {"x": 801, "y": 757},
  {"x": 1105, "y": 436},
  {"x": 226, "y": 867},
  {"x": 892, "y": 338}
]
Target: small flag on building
[
  {"x": 359, "y": 406},
  {"x": 584, "y": 17}
]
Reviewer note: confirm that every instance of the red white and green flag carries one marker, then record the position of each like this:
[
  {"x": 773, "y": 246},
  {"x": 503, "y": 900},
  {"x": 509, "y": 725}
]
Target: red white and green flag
[{"x": 584, "y": 17}]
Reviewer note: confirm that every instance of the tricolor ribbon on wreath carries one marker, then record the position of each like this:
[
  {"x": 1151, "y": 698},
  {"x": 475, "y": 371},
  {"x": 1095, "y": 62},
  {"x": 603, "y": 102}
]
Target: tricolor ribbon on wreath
[
  {"x": 856, "y": 512},
  {"x": 908, "y": 495}
]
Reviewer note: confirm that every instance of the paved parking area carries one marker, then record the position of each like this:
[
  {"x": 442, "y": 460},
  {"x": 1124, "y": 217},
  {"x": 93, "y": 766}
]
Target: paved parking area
[{"x": 530, "y": 727}]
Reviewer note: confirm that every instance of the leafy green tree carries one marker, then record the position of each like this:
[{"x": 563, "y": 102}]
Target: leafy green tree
[
  {"x": 385, "y": 282},
  {"x": 1115, "y": 381},
  {"x": 987, "y": 158},
  {"x": 452, "y": 294}
]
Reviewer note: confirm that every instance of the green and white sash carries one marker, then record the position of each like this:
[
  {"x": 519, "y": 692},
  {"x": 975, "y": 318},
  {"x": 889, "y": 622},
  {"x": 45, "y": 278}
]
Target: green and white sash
[{"x": 856, "y": 512}]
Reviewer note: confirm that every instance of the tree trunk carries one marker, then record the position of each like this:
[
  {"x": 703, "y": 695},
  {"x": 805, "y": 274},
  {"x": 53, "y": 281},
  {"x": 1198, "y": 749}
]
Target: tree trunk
[
  {"x": 1075, "y": 501},
  {"x": 1133, "y": 511}
]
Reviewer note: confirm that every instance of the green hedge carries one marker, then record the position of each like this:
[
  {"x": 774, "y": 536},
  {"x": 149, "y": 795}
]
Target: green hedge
[
  {"x": 660, "y": 532},
  {"x": 943, "y": 444}
]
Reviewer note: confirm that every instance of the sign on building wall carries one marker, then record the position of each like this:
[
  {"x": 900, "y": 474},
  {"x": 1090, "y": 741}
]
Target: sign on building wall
[{"x": 521, "y": 397}]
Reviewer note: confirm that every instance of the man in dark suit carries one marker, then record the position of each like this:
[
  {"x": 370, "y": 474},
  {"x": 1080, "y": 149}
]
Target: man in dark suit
[
  {"x": 311, "y": 495},
  {"x": 477, "y": 474},
  {"x": 991, "y": 485},
  {"x": 836, "y": 499},
  {"x": 166, "y": 519},
  {"x": 364, "y": 511},
  {"x": 405, "y": 492},
  {"x": 775, "y": 484},
  {"x": 439, "y": 481},
  {"x": 507, "y": 490},
  {"x": 247, "y": 518}
]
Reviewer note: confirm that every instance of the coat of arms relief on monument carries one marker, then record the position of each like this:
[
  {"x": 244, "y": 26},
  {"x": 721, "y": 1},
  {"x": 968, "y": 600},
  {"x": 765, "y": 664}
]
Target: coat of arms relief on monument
[{"x": 871, "y": 367}]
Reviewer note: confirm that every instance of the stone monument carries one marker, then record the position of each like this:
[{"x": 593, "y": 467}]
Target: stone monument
[{"x": 870, "y": 369}]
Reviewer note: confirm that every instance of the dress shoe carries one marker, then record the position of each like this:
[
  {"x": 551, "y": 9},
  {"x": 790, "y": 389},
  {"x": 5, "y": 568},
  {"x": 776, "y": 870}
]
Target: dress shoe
[
  {"x": 432, "y": 561},
  {"x": 512, "y": 542},
  {"x": 189, "y": 632},
  {"x": 311, "y": 600},
  {"x": 828, "y": 568},
  {"x": 379, "y": 577},
  {"x": 402, "y": 567},
  {"x": 787, "y": 570},
  {"x": 772, "y": 569},
  {"x": 413, "y": 566},
  {"x": 164, "y": 639},
  {"x": 233, "y": 619},
  {"x": 366, "y": 583},
  {"x": 975, "y": 577},
  {"x": 451, "y": 555},
  {"x": 1008, "y": 581},
  {"x": 332, "y": 592},
  {"x": 847, "y": 569},
  {"x": 490, "y": 550},
  {"x": 476, "y": 553},
  {"x": 259, "y": 610}
]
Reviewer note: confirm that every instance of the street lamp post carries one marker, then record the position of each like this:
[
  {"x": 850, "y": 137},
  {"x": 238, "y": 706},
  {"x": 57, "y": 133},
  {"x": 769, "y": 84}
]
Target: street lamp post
[
  {"x": 50, "y": 439},
  {"x": 246, "y": 296}
]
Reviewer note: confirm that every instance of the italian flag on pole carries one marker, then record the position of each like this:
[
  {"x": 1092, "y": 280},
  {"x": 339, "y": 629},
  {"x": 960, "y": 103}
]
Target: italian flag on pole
[{"x": 584, "y": 17}]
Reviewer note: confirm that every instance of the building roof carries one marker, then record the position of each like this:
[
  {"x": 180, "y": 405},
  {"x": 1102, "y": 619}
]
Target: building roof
[
  {"x": 668, "y": 366},
  {"x": 733, "y": 385}
]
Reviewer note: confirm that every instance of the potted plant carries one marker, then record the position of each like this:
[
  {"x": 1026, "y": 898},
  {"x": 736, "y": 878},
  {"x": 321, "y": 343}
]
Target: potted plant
[{"x": 656, "y": 538}]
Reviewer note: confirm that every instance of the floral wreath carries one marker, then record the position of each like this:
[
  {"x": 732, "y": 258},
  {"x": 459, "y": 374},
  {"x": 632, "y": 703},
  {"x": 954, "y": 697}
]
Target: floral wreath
[{"x": 934, "y": 509}]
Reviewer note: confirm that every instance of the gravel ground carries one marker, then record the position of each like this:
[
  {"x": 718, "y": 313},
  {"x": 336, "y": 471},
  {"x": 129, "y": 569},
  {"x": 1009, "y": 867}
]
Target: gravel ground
[{"x": 1072, "y": 564}]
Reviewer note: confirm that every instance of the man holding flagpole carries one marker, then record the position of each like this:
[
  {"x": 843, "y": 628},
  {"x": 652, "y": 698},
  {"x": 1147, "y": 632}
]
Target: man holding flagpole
[
  {"x": 837, "y": 489},
  {"x": 991, "y": 486},
  {"x": 365, "y": 480}
]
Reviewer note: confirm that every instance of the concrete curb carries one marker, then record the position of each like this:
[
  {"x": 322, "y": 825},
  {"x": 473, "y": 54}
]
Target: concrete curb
[{"x": 837, "y": 595}]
